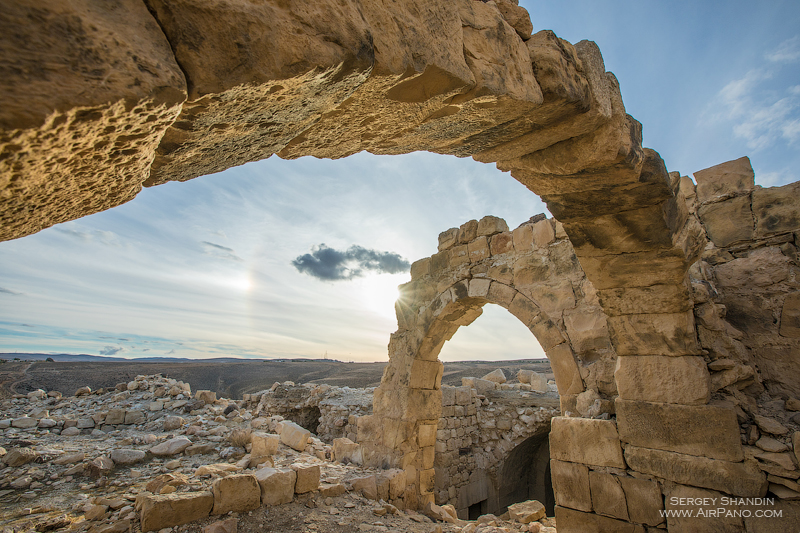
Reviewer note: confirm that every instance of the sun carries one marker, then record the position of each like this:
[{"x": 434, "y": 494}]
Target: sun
[{"x": 379, "y": 293}]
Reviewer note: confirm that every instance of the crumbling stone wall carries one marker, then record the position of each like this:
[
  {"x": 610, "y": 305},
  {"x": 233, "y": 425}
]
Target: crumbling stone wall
[{"x": 474, "y": 438}]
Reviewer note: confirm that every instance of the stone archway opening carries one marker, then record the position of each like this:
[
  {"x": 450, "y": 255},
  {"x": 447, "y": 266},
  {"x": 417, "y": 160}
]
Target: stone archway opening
[{"x": 499, "y": 455}]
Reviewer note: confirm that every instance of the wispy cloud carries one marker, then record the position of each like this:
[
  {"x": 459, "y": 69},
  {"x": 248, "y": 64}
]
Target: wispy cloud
[
  {"x": 111, "y": 350},
  {"x": 329, "y": 264},
  {"x": 761, "y": 115},
  {"x": 108, "y": 238},
  {"x": 9, "y": 291},
  {"x": 787, "y": 52},
  {"x": 217, "y": 250}
]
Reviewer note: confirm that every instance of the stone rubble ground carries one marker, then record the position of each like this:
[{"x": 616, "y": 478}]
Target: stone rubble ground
[{"x": 148, "y": 455}]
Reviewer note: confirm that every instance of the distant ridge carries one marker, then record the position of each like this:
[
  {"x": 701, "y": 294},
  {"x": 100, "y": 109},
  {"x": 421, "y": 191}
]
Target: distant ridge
[{"x": 76, "y": 358}]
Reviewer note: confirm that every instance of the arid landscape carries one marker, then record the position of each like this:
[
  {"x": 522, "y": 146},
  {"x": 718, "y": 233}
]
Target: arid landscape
[{"x": 227, "y": 378}]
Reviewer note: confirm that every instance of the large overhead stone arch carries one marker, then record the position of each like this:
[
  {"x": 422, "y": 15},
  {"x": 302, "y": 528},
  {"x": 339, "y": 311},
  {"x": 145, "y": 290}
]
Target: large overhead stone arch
[{"x": 101, "y": 98}]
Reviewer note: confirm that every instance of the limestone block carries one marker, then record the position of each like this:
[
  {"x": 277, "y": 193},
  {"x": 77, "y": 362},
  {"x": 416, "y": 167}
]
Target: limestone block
[
  {"x": 426, "y": 374},
  {"x": 277, "y": 485},
  {"x": 479, "y": 288},
  {"x": 496, "y": 376},
  {"x": 571, "y": 521},
  {"x": 526, "y": 512},
  {"x": 543, "y": 233},
  {"x": 776, "y": 210},
  {"x": 490, "y": 225},
  {"x": 294, "y": 436},
  {"x": 420, "y": 268},
  {"x": 366, "y": 485},
  {"x": 264, "y": 444},
  {"x": 236, "y": 493},
  {"x": 332, "y": 490},
  {"x": 172, "y": 423},
  {"x": 770, "y": 425},
  {"x": 702, "y": 430},
  {"x": 427, "y": 435},
  {"x": 134, "y": 417},
  {"x": 728, "y": 222},
  {"x": 644, "y": 500},
  {"x": 608, "y": 498},
  {"x": 501, "y": 294},
  {"x": 448, "y": 395},
  {"x": 459, "y": 255},
  {"x": 740, "y": 479},
  {"x": 115, "y": 416},
  {"x": 761, "y": 268},
  {"x": 229, "y": 525},
  {"x": 206, "y": 396},
  {"x": 656, "y": 378},
  {"x": 565, "y": 369},
  {"x": 636, "y": 269},
  {"x": 704, "y": 503},
  {"x": 587, "y": 330},
  {"x": 501, "y": 243},
  {"x": 790, "y": 316},
  {"x": 731, "y": 177},
  {"x": 427, "y": 480},
  {"x": 396, "y": 478},
  {"x": 655, "y": 299},
  {"x": 468, "y": 231},
  {"x": 463, "y": 395},
  {"x": 478, "y": 249},
  {"x": 448, "y": 238},
  {"x": 171, "y": 446},
  {"x": 552, "y": 297},
  {"x": 538, "y": 382},
  {"x": 24, "y": 422},
  {"x": 586, "y": 441},
  {"x": 168, "y": 510},
  {"x": 123, "y": 456},
  {"x": 440, "y": 262},
  {"x": 19, "y": 456},
  {"x": 307, "y": 477},
  {"x": 656, "y": 334},
  {"x": 345, "y": 449},
  {"x": 523, "y": 238}
]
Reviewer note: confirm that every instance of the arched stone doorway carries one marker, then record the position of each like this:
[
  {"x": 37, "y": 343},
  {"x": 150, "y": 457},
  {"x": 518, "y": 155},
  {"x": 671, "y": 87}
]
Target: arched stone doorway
[{"x": 525, "y": 475}]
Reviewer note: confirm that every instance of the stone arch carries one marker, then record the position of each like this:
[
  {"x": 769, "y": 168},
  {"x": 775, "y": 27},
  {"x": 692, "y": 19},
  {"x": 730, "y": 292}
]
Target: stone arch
[{"x": 464, "y": 78}]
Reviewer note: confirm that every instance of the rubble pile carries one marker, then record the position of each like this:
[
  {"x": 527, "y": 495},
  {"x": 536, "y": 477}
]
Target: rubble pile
[{"x": 149, "y": 455}]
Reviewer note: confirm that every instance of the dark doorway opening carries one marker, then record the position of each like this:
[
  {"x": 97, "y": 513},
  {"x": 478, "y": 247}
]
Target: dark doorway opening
[
  {"x": 525, "y": 475},
  {"x": 478, "y": 509}
]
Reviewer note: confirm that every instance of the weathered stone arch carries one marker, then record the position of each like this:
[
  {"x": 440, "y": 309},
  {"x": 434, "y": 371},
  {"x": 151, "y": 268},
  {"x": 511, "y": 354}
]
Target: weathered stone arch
[{"x": 100, "y": 99}]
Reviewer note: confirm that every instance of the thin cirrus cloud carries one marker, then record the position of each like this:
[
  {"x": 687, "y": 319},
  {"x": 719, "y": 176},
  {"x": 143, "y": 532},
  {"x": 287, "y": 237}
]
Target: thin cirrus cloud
[
  {"x": 762, "y": 115},
  {"x": 111, "y": 350},
  {"x": 217, "y": 250},
  {"x": 329, "y": 264}
]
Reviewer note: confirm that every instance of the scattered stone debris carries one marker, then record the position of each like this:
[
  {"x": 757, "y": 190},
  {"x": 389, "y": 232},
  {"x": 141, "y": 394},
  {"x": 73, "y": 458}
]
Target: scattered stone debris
[{"x": 148, "y": 455}]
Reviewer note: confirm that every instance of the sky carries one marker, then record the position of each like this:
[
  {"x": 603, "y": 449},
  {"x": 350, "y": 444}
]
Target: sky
[{"x": 279, "y": 259}]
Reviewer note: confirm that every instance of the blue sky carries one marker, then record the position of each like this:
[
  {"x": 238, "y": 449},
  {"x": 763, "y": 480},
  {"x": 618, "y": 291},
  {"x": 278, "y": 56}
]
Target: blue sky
[{"x": 204, "y": 268}]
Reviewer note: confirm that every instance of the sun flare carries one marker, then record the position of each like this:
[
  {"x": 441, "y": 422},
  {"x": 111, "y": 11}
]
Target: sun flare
[{"x": 379, "y": 293}]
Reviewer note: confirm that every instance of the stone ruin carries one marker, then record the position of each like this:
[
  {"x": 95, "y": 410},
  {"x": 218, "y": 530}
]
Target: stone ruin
[{"x": 697, "y": 285}]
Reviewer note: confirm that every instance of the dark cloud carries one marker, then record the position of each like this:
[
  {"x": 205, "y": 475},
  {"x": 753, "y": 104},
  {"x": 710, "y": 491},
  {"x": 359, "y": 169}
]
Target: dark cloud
[
  {"x": 217, "y": 250},
  {"x": 330, "y": 264},
  {"x": 9, "y": 291},
  {"x": 111, "y": 350}
]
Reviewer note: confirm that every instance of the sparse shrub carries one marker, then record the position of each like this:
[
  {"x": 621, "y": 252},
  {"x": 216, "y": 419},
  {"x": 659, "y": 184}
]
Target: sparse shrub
[{"x": 240, "y": 437}]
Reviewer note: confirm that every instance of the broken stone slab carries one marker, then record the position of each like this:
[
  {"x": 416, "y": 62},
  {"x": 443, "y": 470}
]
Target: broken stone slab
[
  {"x": 168, "y": 510},
  {"x": 572, "y": 521},
  {"x": 19, "y": 456},
  {"x": 526, "y": 512},
  {"x": 608, "y": 498},
  {"x": 307, "y": 477},
  {"x": 702, "y": 430},
  {"x": 171, "y": 446},
  {"x": 346, "y": 450},
  {"x": 644, "y": 500},
  {"x": 740, "y": 479},
  {"x": 571, "y": 485},
  {"x": 237, "y": 493},
  {"x": 125, "y": 456},
  {"x": 599, "y": 441},
  {"x": 294, "y": 436},
  {"x": 277, "y": 485},
  {"x": 24, "y": 423},
  {"x": 229, "y": 525},
  {"x": 496, "y": 376},
  {"x": 728, "y": 222},
  {"x": 770, "y": 425},
  {"x": 725, "y": 179},
  {"x": 264, "y": 443},
  {"x": 656, "y": 378}
]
